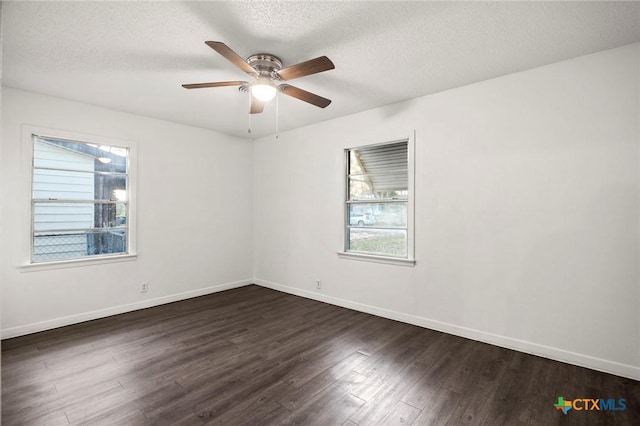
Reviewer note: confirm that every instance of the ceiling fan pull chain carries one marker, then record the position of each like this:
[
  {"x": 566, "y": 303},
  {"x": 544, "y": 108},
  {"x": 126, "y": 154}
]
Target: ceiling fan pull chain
[
  {"x": 250, "y": 100},
  {"x": 277, "y": 113}
]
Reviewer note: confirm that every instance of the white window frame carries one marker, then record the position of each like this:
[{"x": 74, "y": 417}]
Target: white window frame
[
  {"x": 410, "y": 259},
  {"x": 28, "y": 133}
]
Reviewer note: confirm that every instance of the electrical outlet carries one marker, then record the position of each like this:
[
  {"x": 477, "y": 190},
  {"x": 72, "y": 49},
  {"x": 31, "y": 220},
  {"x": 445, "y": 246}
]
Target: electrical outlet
[
  {"x": 144, "y": 287},
  {"x": 318, "y": 285}
]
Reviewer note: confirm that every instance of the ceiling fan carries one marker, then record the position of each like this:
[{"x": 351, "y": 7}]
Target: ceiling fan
[{"x": 268, "y": 73}]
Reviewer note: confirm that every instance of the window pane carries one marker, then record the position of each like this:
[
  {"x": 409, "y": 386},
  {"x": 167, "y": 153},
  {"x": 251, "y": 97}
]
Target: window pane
[
  {"x": 70, "y": 155},
  {"x": 76, "y": 244},
  {"x": 386, "y": 215},
  {"x": 355, "y": 168},
  {"x": 80, "y": 199},
  {"x": 388, "y": 242},
  {"x": 379, "y": 172},
  {"x": 361, "y": 215},
  {"x": 65, "y": 216},
  {"x": 361, "y": 187},
  {"x": 71, "y": 185},
  {"x": 379, "y": 158},
  {"x": 62, "y": 216},
  {"x": 110, "y": 215}
]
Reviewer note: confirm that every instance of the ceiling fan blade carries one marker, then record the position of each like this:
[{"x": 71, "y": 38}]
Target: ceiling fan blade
[
  {"x": 309, "y": 67},
  {"x": 303, "y": 95},
  {"x": 217, "y": 84},
  {"x": 231, "y": 56},
  {"x": 257, "y": 106}
]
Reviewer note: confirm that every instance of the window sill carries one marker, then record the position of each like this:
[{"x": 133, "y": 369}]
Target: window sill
[
  {"x": 376, "y": 259},
  {"x": 75, "y": 263}
]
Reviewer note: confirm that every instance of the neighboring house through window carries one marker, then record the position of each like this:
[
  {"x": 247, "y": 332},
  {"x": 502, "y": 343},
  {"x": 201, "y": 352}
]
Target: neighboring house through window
[
  {"x": 80, "y": 199},
  {"x": 379, "y": 200}
]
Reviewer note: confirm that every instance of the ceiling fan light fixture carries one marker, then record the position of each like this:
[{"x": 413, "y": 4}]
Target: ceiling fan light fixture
[{"x": 263, "y": 90}]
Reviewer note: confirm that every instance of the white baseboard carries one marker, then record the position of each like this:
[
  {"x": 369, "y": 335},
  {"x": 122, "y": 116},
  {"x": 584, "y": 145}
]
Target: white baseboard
[
  {"x": 556, "y": 354},
  {"x": 120, "y": 309}
]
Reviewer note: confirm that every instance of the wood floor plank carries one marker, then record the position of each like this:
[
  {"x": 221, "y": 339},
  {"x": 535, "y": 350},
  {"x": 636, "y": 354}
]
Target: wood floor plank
[
  {"x": 431, "y": 384},
  {"x": 334, "y": 352},
  {"x": 439, "y": 409},
  {"x": 401, "y": 415},
  {"x": 333, "y": 405},
  {"x": 26, "y": 394},
  {"x": 254, "y": 407},
  {"x": 18, "y": 375},
  {"x": 124, "y": 414},
  {"x": 376, "y": 409},
  {"x": 32, "y": 409},
  {"x": 220, "y": 375},
  {"x": 258, "y": 380},
  {"x": 54, "y": 418},
  {"x": 87, "y": 408},
  {"x": 481, "y": 390},
  {"x": 297, "y": 396},
  {"x": 268, "y": 413},
  {"x": 176, "y": 411},
  {"x": 254, "y": 356},
  {"x": 504, "y": 403}
]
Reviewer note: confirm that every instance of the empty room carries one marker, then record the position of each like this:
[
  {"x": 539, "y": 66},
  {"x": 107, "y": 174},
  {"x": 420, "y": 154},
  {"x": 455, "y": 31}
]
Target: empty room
[{"x": 320, "y": 213}]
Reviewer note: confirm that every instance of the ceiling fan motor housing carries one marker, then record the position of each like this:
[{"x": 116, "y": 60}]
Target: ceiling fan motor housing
[{"x": 266, "y": 65}]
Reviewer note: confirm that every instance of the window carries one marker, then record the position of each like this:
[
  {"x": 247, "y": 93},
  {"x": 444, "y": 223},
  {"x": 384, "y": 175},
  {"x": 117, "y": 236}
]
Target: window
[
  {"x": 80, "y": 203},
  {"x": 378, "y": 205}
]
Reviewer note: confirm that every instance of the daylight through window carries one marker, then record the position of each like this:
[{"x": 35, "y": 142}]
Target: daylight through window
[
  {"x": 79, "y": 200},
  {"x": 377, "y": 200}
]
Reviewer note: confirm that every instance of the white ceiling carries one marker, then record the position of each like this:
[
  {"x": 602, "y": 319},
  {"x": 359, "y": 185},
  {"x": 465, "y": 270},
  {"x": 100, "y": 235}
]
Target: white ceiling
[{"x": 133, "y": 56}]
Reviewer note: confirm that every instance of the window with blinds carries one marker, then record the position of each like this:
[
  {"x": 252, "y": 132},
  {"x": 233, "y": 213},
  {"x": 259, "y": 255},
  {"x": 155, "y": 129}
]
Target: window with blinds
[
  {"x": 376, "y": 212},
  {"x": 79, "y": 200}
]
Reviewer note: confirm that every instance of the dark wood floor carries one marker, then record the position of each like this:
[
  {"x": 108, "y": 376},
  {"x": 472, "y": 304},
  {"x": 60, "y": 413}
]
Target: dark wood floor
[{"x": 254, "y": 356}]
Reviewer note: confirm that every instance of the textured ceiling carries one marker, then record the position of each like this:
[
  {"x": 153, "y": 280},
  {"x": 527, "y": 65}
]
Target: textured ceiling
[{"x": 133, "y": 56}]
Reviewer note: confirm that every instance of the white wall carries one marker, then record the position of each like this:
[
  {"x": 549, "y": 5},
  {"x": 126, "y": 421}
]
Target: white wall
[
  {"x": 527, "y": 212},
  {"x": 194, "y": 217}
]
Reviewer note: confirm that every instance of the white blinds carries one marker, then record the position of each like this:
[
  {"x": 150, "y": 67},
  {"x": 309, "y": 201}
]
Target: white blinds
[{"x": 386, "y": 166}]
